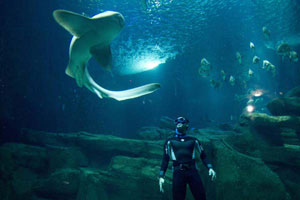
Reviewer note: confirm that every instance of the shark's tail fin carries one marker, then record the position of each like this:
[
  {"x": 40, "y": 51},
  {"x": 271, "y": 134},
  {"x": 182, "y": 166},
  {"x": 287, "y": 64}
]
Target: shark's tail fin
[{"x": 118, "y": 95}]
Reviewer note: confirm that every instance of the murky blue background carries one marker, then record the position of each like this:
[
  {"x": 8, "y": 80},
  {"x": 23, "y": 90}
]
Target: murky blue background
[{"x": 36, "y": 93}]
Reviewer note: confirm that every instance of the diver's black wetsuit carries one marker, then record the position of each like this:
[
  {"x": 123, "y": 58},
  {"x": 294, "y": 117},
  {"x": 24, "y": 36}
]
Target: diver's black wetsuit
[{"x": 181, "y": 149}]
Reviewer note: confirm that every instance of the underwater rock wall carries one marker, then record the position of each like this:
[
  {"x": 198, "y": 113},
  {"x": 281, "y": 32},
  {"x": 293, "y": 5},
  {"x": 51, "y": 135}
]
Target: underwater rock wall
[
  {"x": 287, "y": 105},
  {"x": 48, "y": 166},
  {"x": 278, "y": 138}
]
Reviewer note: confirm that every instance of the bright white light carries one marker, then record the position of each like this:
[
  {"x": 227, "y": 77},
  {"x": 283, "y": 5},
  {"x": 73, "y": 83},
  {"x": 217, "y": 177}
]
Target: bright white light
[
  {"x": 151, "y": 64},
  {"x": 147, "y": 63},
  {"x": 257, "y": 93},
  {"x": 250, "y": 108}
]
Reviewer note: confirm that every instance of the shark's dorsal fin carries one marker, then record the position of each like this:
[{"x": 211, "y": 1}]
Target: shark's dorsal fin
[
  {"x": 76, "y": 24},
  {"x": 103, "y": 55}
]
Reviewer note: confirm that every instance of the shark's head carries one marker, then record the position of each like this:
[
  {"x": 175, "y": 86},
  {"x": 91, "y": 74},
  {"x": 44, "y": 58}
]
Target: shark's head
[
  {"x": 108, "y": 24},
  {"x": 113, "y": 17}
]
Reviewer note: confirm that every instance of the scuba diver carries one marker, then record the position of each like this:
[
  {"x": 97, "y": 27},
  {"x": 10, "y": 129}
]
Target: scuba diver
[{"x": 181, "y": 149}]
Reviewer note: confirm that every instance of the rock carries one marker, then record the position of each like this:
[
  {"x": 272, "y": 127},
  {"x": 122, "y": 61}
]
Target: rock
[
  {"x": 290, "y": 177},
  {"x": 289, "y": 136},
  {"x": 19, "y": 164},
  {"x": 32, "y": 157},
  {"x": 273, "y": 129},
  {"x": 246, "y": 143},
  {"x": 139, "y": 172},
  {"x": 89, "y": 166},
  {"x": 7, "y": 164},
  {"x": 281, "y": 157},
  {"x": 6, "y": 192},
  {"x": 295, "y": 92},
  {"x": 167, "y": 123},
  {"x": 22, "y": 183},
  {"x": 262, "y": 120},
  {"x": 285, "y": 106},
  {"x": 243, "y": 177},
  {"x": 62, "y": 183},
  {"x": 94, "y": 143},
  {"x": 154, "y": 133},
  {"x": 91, "y": 186},
  {"x": 225, "y": 127},
  {"x": 68, "y": 157}
]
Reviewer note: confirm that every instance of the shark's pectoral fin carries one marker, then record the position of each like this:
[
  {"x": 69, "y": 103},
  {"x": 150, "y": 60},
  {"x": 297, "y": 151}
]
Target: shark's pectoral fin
[
  {"x": 76, "y": 24},
  {"x": 76, "y": 72},
  {"x": 103, "y": 56},
  {"x": 68, "y": 72}
]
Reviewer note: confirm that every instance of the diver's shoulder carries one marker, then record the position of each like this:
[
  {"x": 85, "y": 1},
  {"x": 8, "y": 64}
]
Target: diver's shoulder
[
  {"x": 170, "y": 138},
  {"x": 191, "y": 137}
]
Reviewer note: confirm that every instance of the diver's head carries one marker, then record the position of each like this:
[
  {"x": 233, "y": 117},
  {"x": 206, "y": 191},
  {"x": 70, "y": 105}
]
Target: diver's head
[{"x": 182, "y": 124}]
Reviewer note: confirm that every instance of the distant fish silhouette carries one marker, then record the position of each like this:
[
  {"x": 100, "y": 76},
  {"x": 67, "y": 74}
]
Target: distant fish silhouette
[{"x": 92, "y": 37}]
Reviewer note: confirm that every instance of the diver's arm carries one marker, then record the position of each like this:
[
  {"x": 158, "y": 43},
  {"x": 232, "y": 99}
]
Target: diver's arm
[
  {"x": 203, "y": 155},
  {"x": 164, "y": 166},
  {"x": 165, "y": 161},
  {"x": 205, "y": 160}
]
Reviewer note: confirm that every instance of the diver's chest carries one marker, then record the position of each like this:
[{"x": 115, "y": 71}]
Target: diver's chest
[{"x": 183, "y": 143}]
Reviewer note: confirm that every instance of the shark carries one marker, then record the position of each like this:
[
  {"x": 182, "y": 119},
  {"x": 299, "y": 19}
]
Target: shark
[{"x": 92, "y": 38}]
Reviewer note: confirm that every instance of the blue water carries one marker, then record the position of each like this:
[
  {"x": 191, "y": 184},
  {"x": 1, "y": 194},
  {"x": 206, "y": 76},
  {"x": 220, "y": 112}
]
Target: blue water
[{"x": 36, "y": 93}]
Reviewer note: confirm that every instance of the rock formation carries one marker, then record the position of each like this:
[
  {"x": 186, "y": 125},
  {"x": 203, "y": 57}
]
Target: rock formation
[{"x": 257, "y": 159}]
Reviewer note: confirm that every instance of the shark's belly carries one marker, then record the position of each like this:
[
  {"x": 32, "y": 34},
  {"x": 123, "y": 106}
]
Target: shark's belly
[{"x": 80, "y": 50}]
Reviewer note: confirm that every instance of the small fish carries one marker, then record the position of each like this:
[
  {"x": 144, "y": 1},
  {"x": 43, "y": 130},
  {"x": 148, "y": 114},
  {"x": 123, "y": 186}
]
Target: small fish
[
  {"x": 265, "y": 64},
  {"x": 232, "y": 80},
  {"x": 205, "y": 68},
  {"x": 223, "y": 74},
  {"x": 269, "y": 67},
  {"x": 252, "y": 46},
  {"x": 239, "y": 57},
  {"x": 204, "y": 71},
  {"x": 204, "y": 61},
  {"x": 255, "y": 59},
  {"x": 293, "y": 56},
  {"x": 244, "y": 84},
  {"x": 250, "y": 73},
  {"x": 283, "y": 49},
  {"x": 251, "y": 101},
  {"x": 266, "y": 32},
  {"x": 273, "y": 70},
  {"x": 215, "y": 84}
]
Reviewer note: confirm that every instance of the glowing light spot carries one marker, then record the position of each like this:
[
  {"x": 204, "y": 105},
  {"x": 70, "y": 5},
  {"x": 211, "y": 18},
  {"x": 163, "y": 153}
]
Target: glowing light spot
[
  {"x": 250, "y": 108},
  {"x": 257, "y": 93},
  {"x": 152, "y": 64},
  {"x": 147, "y": 63}
]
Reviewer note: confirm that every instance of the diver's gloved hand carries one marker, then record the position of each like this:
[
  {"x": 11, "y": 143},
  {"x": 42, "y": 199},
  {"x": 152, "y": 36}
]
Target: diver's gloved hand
[
  {"x": 161, "y": 182},
  {"x": 212, "y": 173}
]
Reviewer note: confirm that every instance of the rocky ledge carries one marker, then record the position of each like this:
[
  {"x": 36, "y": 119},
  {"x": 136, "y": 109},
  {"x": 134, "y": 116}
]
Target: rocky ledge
[{"x": 48, "y": 166}]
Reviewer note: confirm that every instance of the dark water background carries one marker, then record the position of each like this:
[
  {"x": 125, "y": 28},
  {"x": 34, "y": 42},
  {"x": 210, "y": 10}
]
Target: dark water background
[{"x": 35, "y": 92}]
